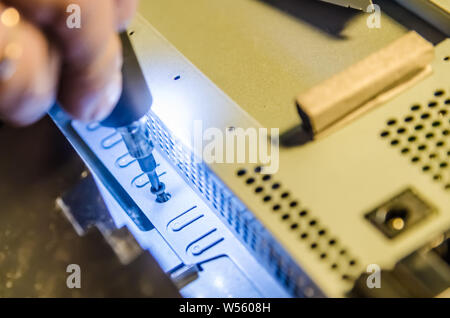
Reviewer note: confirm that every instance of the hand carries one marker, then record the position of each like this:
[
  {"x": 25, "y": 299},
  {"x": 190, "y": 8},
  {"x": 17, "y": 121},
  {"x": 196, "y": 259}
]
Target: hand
[{"x": 42, "y": 59}]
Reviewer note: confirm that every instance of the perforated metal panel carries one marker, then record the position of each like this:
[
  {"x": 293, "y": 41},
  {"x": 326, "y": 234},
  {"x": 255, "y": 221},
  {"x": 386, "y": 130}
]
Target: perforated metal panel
[
  {"x": 244, "y": 224},
  {"x": 422, "y": 135}
]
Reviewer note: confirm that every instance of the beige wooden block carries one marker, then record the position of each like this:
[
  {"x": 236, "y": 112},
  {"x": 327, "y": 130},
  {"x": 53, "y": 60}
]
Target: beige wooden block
[{"x": 364, "y": 83}]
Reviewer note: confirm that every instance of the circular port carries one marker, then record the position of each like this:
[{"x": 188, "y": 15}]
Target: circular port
[{"x": 394, "y": 218}]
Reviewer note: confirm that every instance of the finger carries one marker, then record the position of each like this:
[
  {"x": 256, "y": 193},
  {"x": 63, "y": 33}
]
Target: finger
[
  {"x": 125, "y": 10},
  {"x": 91, "y": 74},
  {"x": 29, "y": 71}
]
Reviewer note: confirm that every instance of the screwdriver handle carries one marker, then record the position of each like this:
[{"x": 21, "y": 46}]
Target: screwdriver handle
[{"x": 136, "y": 99}]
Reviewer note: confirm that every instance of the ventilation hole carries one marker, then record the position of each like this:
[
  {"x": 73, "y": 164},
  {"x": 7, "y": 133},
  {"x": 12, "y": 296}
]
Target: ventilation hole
[
  {"x": 352, "y": 262},
  {"x": 304, "y": 235},
  {"x": 426, "y": 168},
  {"x": 293, "y": 204},
  {"x": 409, "y": 119},
  {"x": 442, "y": 112},
  {"x": 415, "y": 108},
  {"x": 294, "y": 226},
  {"x": 276, "y": 207},
  {"x": 425, "y": 116},
  {"x": 266, "y": 177},
  {"x": 285, "y": 195},
  {"x": 391, "y": 122},
  {"x": 285, "y": 216},
  {"x": 323, "y": 255},
  {"x": 342, "y": 252},
  {"x": 332, "y": 242},
  {"x": 447, "y": 58},
  {"x": 447, "y": 102},
  {"x": 259, "y": 189},
  {"x": 394, "y": 142},
  {"x": 303, "y": 213},
  {"x": 432, "y": 104},
  {"x": 446, "y": 132},
  {"x": 241, "y": 172},
  {"x": 432, "y": 155},
  {"x": 422, "y": 147},
  {"x": 313, "y": 222},
  {"x": 131, "y": 33},
  {"x": 439, "y": 93},
  {"x": 436, "y": 124},
  {"x": 321, "y": 232},
  {"x": 429, "y": 135},
  {"x": 401, "y": 130},
  {"x": 418, "y": 127},
  {"x": 334, "y": 266},
  {"x": 267, "y": 198},
  {"x": 313, "y": 245},
  {"x": 275, "y": 186},
  {"x": 250, "y": 180},
  {"x": 405, "y": 150},
  {"x": 345, "y": 277},
  {"x": 384, "y": 134},
  {"x": 440, "y": 144},
  {"x": 437, "y": 177},
  {"x": 443, "y": 165},
  {"x": 412, "y": 138},
  {"x": 258, "y": 169}
]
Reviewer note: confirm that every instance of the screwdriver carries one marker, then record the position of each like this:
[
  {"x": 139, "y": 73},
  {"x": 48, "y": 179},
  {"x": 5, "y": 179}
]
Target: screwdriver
[{"x": 130, "y": 120}]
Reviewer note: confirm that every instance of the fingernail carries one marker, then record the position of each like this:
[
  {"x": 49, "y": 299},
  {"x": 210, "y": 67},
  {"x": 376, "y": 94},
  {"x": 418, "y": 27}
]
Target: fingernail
[{"x": 109, "y": 98}]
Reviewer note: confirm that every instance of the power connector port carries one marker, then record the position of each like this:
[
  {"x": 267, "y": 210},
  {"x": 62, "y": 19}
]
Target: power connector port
[{"x": 399, "y": 213}]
